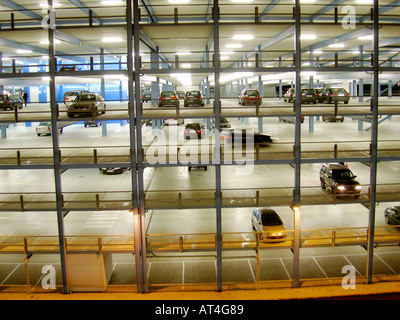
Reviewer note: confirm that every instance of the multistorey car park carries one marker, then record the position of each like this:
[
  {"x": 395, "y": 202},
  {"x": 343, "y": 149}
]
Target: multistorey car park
[{"x": 60, "y": 210}]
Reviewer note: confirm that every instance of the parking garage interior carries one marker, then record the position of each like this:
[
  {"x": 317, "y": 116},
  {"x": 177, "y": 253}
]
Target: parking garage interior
[{"x": 174, "y": 213}]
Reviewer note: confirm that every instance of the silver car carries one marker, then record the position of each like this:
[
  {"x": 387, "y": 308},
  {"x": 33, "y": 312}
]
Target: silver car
[
  {"x": 269, "y": 224},
  {"x": 90, "y": 104}
]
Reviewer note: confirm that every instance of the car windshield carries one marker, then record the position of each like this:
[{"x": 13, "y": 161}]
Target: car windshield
[
  {"x": 194, "y": 126},
  {"x": 44, "y": 124},
  {"x": 71, "y": 93},
  {"x": 86, "y": 97},
  {"x": 338, "y": 90},
  {"x": 270, "y": 219},
  {"x": 307, "y": 91},
  {"x": 193, "y": 94},
  {"x": 224, "y": 120},
  {"x": 252, "y": 92},
  {"x": 166, "y": 94},
  {"x": 342, "y": 174}
]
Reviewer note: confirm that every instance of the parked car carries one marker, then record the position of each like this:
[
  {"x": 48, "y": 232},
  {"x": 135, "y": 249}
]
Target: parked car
[
  {"x": 193, "y": 130},
  {"x": 244, "y": 137},
  {"x": 69, "y": 67},
  {"x": 92, "y": 123},
  {"x": 249, "y": 96},
  {"x": 175, "y": 121},
  {"x": 338, "y": 177},
  {"x": 113, "y": 170},
  {"x": 146, "y": 96},
  {"x": 289, "y": 94},
  {"x": 291, "y": 119},
  {"x": 44, "y": 128},
  {"x": 90, "y": 104},
  {"x": 333, "y": 118},
  {"x": 223, "y": 123},
  {"x": 392, "y": 215},
  {"x": 168, "y": 98},
  {"x": 307, "y": 96},
  {"x": 181, "y": 94},
  {"x": 11, "y": 101},
  {"x": 269, "y": 224},
  {"x": 194, "y": 98},
  {"x": 70, "y": 96},
  {"x": 198, "y": 167},
  {"x": 335, "y": 94}
]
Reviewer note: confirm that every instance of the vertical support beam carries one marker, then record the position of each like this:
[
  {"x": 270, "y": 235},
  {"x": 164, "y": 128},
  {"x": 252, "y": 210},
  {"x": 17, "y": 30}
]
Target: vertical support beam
[
  {"x": 217, "y": 151},
  {"x": 297, "y": 146},
  {"x": 56, "y": 156},
  {"x": 374, "y": 143}
]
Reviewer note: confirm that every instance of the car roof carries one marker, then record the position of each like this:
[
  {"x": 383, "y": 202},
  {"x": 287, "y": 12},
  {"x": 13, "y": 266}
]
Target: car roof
[
  {"x": 266, "y": 210},
  {"x": 336, "y": 166}
]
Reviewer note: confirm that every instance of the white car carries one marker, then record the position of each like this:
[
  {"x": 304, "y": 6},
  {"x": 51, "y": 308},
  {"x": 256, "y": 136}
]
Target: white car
[
  {"x": 269, "y": 224},
  {"x": 174, "y": 121},
  {"x": 70, "y": 96}
]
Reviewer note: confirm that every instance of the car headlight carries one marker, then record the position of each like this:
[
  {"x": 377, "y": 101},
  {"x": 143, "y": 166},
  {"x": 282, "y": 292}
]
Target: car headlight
[
  {"x": 341, "y": 188},
  {"x": 358, "y": 188}
]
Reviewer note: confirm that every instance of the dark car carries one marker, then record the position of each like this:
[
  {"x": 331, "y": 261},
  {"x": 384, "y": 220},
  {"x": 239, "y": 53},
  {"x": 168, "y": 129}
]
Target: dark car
[
  {"x": 392, "y": 215},
  {"x": 194, "y": 98},
  {"x": 113, "y": 170},
  {"x": 198, "y": 167},
  {"x": 193, "y": 130},
  {"x": 244, "y": 137},
  {"x": 307, "y": 96},
  {"x": 87, "y": 104},
  {"x": 318, "y": 93},
  {"x": 333, "y": 118},
  {"x": 146, "y": 96},
  {"x": 249, "y": 96},
  {"x": 223, "y": 123},
  {"x": 168, "y": 98},
  {"x": 340, "y": 179},
  {"x": 335, "y": 94},
  {"x": 10, "y": 101},
  {"x": 289, "y": 94}
]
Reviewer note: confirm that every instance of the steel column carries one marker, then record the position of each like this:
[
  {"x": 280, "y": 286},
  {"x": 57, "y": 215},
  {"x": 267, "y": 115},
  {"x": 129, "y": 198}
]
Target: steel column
[
  {"x": 297, "y": 150},
  {"x": 374, "y": 143}
]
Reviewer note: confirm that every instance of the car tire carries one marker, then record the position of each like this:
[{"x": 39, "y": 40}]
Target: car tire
[
  {"x": 323, "y": 186},
  {"x": 387, "y": 219}
]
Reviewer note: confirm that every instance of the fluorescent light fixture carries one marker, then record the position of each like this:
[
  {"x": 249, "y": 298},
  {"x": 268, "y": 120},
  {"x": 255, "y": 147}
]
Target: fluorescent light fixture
[
  {"x": 224, "y": 58},
  {"x": 23, "y": 51},
  {"x": 178, "y": 1},
  {"x": 356, "y": 52},
  {"x": 183, "y": 53},
  {"x": 186, "y": 65},
  {"x": 317, "y": 52},
  {"x": 46, "y": 5},
  {"x": 307, "y": 1},
  {"x": 243, "y": 37},
  {"x": 241, "y": 1},
  {"x": 45, "y": 57},
  {"x": 112, "y": 39},
  {"x": 364, "y": 1},
  {"x": 336, "y": 45},
  {"x": 308, "y": 37},
  {"x": 367, "y": 37},
  {"x": 234, "y": 46},
  {"x": 47, "y": 41},
  {"x": 46, "y": 78}
]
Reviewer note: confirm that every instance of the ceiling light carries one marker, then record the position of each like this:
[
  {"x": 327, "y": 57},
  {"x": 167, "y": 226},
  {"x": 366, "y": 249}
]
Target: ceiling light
[
  {"x": 243, "y": 37},
  {"x": 183, "y": 53},
  {"x": 307, "y": 1},
  {"x": 227, "y": 52},
  {"x": 336, "y": 45},
  {"x": 46, "y": 5},
  {"x": 356, "y": 52},
  {"x": 186, "y": 65},
  {"x": 317, "y": 52},
  {"x": 364, "y": 1},
  {"x": 241, "y": 1},
  {"x": 112, "y": 39},
  {"x": 178, "y": 1},
  {"x": 308, "y": 37}
]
